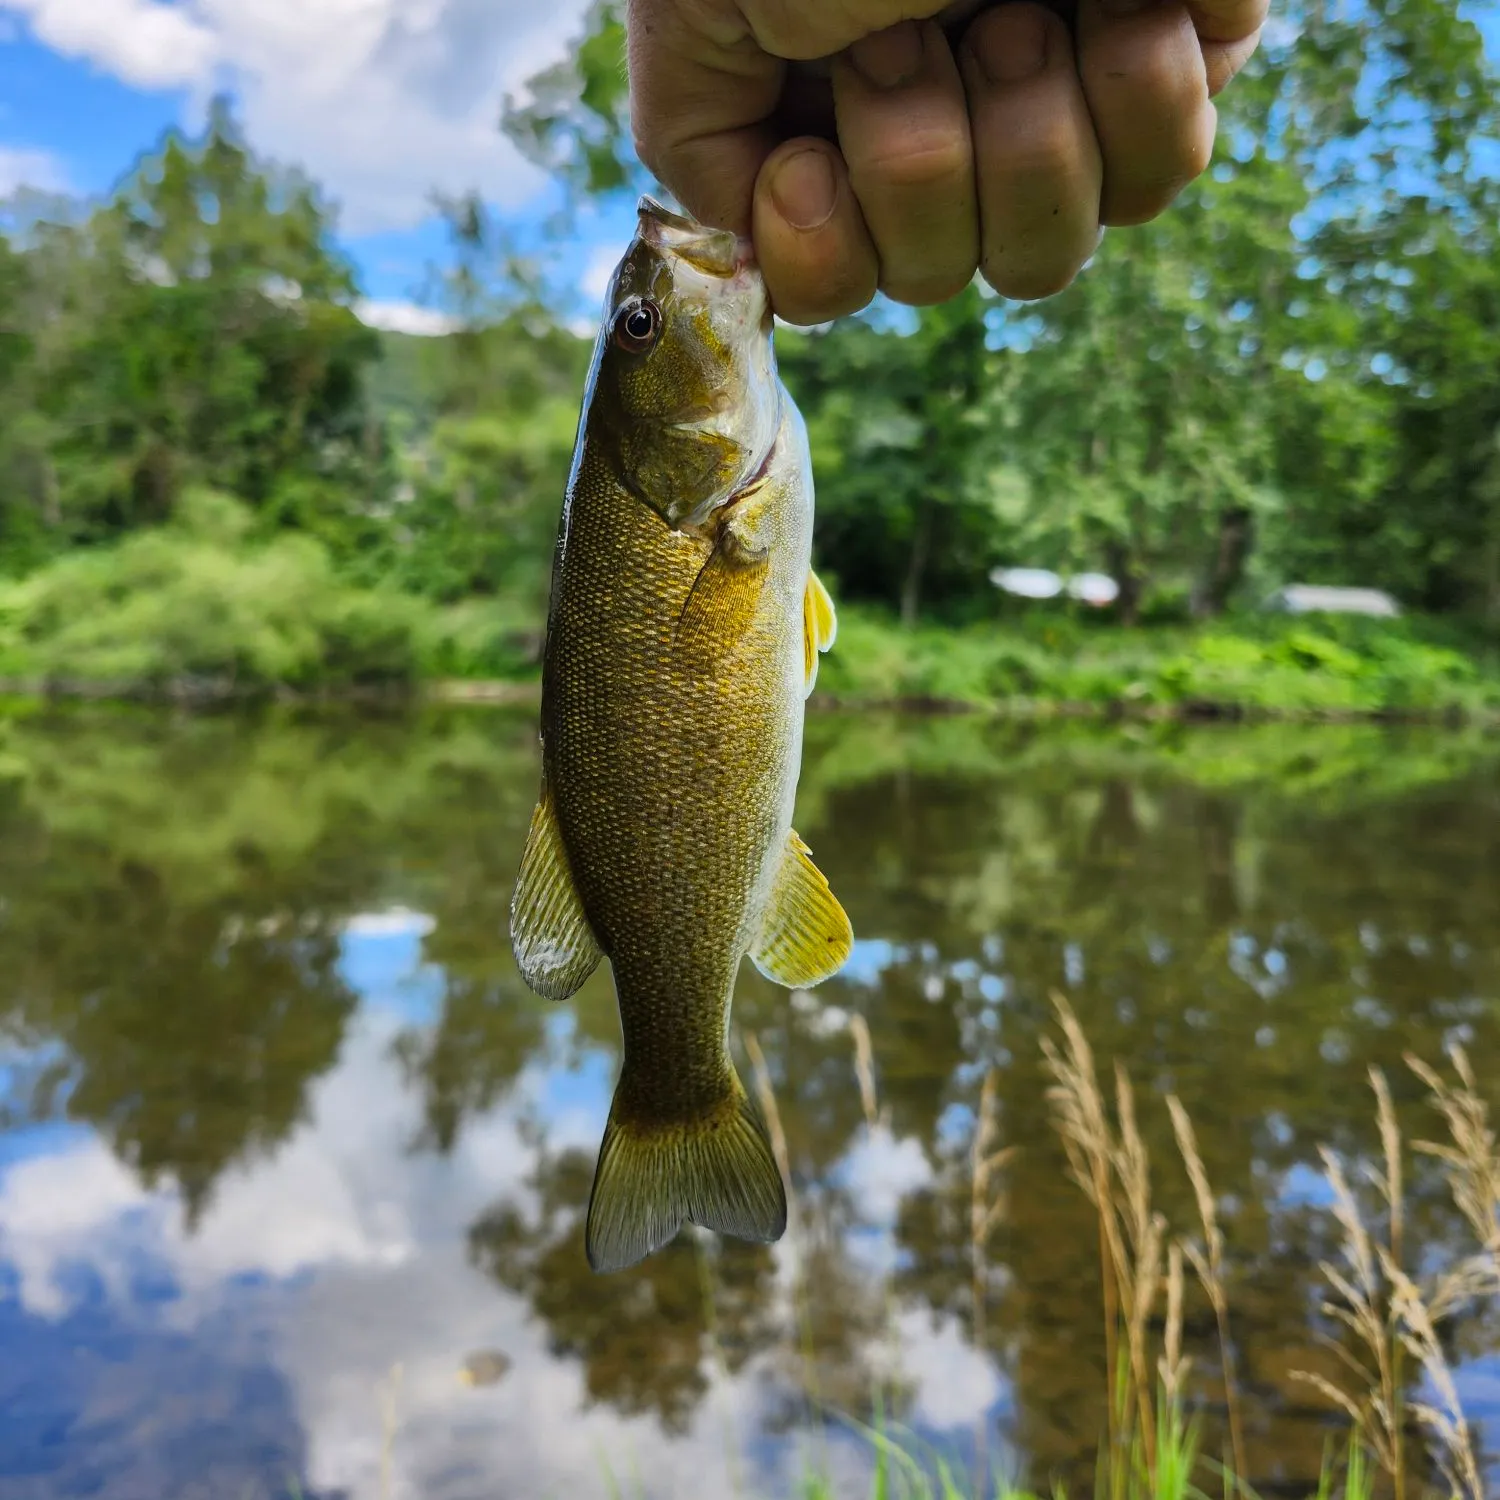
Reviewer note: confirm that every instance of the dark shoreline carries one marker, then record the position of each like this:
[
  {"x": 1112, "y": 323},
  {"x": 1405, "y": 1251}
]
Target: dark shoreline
[{"x": 217, "y": 694}]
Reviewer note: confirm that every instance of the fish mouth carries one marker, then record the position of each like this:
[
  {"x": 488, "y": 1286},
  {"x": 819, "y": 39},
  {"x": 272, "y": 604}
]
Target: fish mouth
[{"x": 716, "y": 252}]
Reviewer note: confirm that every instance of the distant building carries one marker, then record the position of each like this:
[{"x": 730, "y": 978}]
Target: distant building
[
  {"x": 1316, "y": 599},
  {"x": 1028, "y": 583},
  {"x": 1098, "y": 589}
]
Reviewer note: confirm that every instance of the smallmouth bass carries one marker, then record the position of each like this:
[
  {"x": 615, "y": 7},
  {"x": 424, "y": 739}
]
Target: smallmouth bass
[{"x": 683, "y": 637}]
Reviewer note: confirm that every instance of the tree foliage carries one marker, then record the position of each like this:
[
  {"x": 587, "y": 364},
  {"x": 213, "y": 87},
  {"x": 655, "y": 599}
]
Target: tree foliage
[
  {"x": 196, "y": 327},
  {"x": 1288, "y": 376}
]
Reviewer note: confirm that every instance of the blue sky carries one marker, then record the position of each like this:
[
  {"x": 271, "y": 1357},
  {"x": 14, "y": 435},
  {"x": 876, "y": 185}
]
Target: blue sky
[{"x": 381, "y": 100}]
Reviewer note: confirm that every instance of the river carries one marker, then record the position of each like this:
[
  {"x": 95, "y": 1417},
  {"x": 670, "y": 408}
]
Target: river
[{"x": 293, "y": 1166}]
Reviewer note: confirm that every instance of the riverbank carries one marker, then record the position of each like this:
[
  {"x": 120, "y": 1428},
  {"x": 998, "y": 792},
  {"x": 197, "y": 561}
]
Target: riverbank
[
  {"x": 1244, "y": 668},
  {"x": 206, "y": 612}
]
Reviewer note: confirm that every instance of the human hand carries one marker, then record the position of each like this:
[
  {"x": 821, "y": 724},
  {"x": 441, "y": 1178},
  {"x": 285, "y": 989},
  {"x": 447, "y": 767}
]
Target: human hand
[{"x": 989, "y": 137}]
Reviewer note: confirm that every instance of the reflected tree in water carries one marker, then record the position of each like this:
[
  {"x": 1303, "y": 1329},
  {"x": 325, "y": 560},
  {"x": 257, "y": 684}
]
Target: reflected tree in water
[
  {"x": 646, "y": 1338},
  {"x": 1248, "y": 919}
]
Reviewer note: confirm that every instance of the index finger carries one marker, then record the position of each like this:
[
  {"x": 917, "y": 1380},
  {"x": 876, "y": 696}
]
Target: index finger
[
  {"x": 706, "y": 78},
  {"x": 1229, "y": 31},
  {"x": 1228, "y": 20}
]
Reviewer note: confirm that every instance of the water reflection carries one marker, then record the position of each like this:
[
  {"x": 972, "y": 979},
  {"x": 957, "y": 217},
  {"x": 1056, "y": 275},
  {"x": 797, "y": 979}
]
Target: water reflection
[{"x": 280, "y": 1115}]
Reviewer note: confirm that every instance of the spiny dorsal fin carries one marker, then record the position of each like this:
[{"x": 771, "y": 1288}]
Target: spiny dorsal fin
[
  {"x": 806, "y": 936},
  {"x": 549, "y": 933},
  {"x": 820, "y": 626}
]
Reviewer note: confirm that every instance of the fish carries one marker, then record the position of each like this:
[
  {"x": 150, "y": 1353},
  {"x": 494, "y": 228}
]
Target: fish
[{"x": 684, "y": 631}]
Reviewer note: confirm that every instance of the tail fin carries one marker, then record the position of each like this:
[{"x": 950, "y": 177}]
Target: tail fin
[{"x": 717, "y": 1171}]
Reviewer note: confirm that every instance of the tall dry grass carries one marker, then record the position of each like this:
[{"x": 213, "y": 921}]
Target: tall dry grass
[
  {"x": 1384, "y": 1315},
  {"x": 1385, "y": 1320},
  {"x": 1390, "y": 1314}
]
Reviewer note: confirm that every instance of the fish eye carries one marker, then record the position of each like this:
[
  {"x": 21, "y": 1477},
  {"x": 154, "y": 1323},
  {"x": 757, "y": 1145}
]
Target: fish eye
[{"x": 637, "y": 325}]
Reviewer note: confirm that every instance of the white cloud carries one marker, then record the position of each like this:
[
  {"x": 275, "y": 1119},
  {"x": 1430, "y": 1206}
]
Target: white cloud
[
  {"x": 956, "y": 1384},
  {"x": 404, "y": 317},
  {"x": 22, "y": 166},
  {"x": 59, "y": 1209},
  {"x": 594, "y": 282},
  {"x": 881, "y": 1170},
  {"x": 380, "y": 100},
  {"x": 362, "y": 1243},
  {"x": 357, "y": 1247},
  {"x": 144, "y": 44},
  {"x": 398, "y": 921}
]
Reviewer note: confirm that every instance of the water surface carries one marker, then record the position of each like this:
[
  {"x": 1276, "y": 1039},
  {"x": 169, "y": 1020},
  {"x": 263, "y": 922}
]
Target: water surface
[{"x": 286, "y": 1141}]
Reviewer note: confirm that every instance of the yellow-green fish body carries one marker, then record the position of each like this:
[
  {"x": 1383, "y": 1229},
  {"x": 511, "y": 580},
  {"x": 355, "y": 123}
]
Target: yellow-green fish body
[{"x": 683, "y": 637}]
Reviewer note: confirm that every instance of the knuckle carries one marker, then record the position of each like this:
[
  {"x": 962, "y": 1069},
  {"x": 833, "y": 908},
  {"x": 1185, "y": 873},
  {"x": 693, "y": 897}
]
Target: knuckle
[
  {"x": 930, "y": 159},
  {"x": 1049, "y": 153}
]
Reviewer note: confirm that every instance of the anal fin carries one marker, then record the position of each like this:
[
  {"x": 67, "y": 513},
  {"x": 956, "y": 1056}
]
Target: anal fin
[
  {"x": 554, "y": 945},
  {"x": 806, "y": 936}
]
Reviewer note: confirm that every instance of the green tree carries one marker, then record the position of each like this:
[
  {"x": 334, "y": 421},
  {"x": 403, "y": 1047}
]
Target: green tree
[
  {"x": 903, "y": 453},
  {"x": 197, "y": 327},
  {"x": 482, "y": 478},
  {"x": 1390, "y": 113},
  {"x": 572, "y": 118}
]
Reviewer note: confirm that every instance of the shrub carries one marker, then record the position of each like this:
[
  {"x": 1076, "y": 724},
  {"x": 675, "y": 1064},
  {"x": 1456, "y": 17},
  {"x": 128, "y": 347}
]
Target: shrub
[{"x": 198, "y": 603}]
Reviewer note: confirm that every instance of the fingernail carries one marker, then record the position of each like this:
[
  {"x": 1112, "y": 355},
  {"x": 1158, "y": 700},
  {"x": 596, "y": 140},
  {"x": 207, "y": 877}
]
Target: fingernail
[
  {"x": 1012, "y": 49},
  {"x": 803, "y": 189},
  {"x": 887, "y": 59}
]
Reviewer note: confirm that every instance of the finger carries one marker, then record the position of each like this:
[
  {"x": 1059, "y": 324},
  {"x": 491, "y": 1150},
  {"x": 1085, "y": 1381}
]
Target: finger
[
  {"x": 904, "y": 129},
  {"x": 699, "y": 107},
  {"x": 1038, "y": 162},
  {"x": 810, "y": 237},
  {"x": 1229, "y": 31},
  {"x": 705, "y": 80},
  {"x": 794, "y": 28},
  {"x": 1222, "y": 60},
  {"x": 1228, "y": 20},
  {"x": 1147, "y": 90}
]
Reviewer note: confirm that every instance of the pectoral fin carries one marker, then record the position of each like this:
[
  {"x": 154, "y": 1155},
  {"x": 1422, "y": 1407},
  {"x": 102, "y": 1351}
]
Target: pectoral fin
[
  {"x": 820, "y": 627},
  {"x": 806, "y": 935},
  {"x": 723, "y": 600},
  {"x": 554, "y": 946}
]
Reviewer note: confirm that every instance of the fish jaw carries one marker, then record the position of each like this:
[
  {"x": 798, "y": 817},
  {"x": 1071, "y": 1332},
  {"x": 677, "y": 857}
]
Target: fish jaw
[
  {"x": 716, "y": 252},
  {"x": 720, "y": 267}
]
